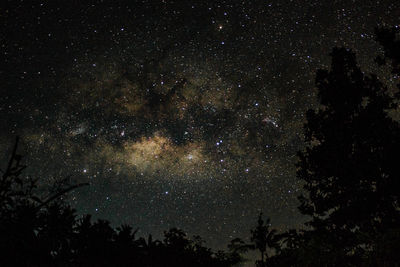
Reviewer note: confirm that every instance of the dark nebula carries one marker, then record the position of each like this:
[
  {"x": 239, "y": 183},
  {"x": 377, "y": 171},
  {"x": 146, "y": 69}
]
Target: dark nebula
[{"x": 178, "y": 113}]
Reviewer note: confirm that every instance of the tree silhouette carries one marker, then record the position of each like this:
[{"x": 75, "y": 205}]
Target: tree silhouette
[
  {"x": 29, "y": 223},
  {"x": 350, "y": 166},
  {"x": 45, "y": 231},
  {"x": 263, "y": 238}
]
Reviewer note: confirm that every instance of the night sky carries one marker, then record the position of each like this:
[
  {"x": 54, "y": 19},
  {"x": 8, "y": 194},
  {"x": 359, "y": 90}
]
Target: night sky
[{"x": 178, "y": 113}]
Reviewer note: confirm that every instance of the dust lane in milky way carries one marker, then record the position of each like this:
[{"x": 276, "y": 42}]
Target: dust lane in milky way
[{"x": 178, "y": 114}]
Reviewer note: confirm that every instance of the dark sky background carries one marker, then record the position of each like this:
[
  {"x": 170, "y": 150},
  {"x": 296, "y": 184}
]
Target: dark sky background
[{"x": 178, "y": 113}]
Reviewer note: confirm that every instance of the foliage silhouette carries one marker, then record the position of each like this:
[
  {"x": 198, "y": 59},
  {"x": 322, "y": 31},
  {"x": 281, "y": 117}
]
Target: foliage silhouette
[
  {"x": 349, "y": 168},
  {"x": 351, "y": 179},
  {"x": 263, "y": 238},
  {"x": 45, "y": 231}
]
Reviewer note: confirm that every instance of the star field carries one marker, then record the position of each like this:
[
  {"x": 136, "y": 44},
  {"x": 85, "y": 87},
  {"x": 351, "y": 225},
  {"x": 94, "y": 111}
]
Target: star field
[{"x": 178, "y": 113}]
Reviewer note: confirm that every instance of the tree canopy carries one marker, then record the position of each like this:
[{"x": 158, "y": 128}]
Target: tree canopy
[
  {"x": 350, "y": 168},
  {"x": 46, "y": 231}
]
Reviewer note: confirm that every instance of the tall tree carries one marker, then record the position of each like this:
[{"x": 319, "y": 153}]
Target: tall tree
[
  {"x": 350, "y": 166},
  {"x": 263, "y": 238}
]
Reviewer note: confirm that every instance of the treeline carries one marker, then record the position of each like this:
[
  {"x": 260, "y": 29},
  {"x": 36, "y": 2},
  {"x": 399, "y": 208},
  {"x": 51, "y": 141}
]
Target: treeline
[
  {"x": 46, "y": 231},
  {"x": 350, "y": 171}
]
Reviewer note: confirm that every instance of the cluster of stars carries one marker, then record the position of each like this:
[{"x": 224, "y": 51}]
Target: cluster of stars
[{"x": 178, "y": 113}]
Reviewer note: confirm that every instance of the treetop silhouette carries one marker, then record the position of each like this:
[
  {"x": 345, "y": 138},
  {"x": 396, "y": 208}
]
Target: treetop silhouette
[{"x": 36, "y": 231}]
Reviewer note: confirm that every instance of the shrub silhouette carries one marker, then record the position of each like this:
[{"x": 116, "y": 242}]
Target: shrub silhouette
[{"x": 37, "y": 231}]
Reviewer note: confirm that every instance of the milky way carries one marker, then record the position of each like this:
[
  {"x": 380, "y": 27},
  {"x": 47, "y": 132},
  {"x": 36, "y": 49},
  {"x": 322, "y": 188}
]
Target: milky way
[{"x": 178, "y": 114}]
